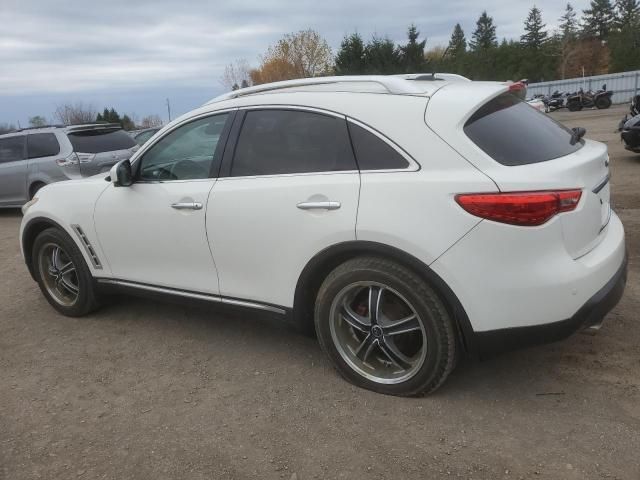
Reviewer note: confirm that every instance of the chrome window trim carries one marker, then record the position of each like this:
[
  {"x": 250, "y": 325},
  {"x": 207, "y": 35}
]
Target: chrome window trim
[
  {"x": 195, "y": 295},
  {"x": 414, "y": 166}
]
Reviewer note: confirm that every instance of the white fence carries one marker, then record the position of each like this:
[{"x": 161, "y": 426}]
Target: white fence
[{"x": 624, "y": 85}]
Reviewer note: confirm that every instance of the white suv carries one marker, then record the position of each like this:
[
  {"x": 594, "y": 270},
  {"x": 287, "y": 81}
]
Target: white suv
[{"x": 407, "y": 220}]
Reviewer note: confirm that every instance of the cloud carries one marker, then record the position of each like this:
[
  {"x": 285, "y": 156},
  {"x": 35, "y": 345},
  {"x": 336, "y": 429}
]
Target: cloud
[{"x": 72, "y": 47}]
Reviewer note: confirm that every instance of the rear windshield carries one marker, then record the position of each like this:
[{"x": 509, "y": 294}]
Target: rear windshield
[
  {"x": 513, "y": 133},
  {"x": 97, "y": 141}
]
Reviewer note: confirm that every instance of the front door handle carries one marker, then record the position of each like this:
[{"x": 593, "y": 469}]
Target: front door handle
[
  {"x": 318, "y": 205},
  {"x": 187, "y": 206}
]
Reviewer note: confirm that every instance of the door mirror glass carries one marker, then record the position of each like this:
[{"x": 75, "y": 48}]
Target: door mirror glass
[{"x": 121, "y": 175}]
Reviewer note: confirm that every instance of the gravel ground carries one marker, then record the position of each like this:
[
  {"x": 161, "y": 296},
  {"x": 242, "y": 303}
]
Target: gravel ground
[{"x": 149, "y": 390}]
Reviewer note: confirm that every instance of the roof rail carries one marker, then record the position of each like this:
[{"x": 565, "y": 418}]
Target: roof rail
[
  {"x": 391, "y": 83},
  {"x": 92, "y": 126},
  {"x": 36, "y": 128},
  {"x": 433, "y": 76}
]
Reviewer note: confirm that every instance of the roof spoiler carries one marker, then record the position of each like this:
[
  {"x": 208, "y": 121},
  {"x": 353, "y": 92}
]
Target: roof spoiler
[{"x": 93, "y": 126}]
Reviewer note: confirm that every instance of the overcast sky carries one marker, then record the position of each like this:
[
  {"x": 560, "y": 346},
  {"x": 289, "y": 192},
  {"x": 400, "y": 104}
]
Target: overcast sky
[{"x": 133, "y": 54}]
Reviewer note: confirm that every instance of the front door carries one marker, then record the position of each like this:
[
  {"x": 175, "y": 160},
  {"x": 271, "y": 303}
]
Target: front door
[{"x": 153, "y": 232}]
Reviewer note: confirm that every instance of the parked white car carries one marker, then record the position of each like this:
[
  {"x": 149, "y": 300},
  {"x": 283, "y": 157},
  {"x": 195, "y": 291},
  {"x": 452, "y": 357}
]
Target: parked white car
[{"x": 406, "y": 220}]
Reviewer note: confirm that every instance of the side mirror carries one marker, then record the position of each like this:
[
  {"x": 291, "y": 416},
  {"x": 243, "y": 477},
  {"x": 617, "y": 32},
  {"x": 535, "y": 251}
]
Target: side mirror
[{"x": 120, "y": 174}]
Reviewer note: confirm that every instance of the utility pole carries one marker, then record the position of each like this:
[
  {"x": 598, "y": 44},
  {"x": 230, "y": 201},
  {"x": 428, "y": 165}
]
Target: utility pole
[{"x": 169, "y": 109}]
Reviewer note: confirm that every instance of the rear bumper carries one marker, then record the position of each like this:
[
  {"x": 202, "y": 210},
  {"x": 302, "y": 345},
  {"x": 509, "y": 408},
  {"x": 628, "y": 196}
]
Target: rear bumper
[{"x": 592, "y": 313}]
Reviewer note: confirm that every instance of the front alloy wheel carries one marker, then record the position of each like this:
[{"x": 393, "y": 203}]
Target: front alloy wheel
[
  {"x": 59, "y": 274},
  {"x": 62, "y": 273}
]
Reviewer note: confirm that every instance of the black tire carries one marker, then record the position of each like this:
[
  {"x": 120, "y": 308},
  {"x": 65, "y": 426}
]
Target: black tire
[
  {"x": 603, "y": 102},
  {"x": 34, "y": 189},
  {"x": 86, "y": 299},
  {"x": 574, "y": 106},
  {"x": 439, "y": 358}
]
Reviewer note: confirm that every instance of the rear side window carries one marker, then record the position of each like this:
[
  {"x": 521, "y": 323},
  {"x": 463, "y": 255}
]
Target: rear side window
[
  {"x": 373, "y": 153},
  {"x": 513, "y": 133},
  {"x": 42, "y": 145},
  {"x": 276, "y": 142},
  {"x": 98, "y": 141},
  {"x": 12, "y": 149}
]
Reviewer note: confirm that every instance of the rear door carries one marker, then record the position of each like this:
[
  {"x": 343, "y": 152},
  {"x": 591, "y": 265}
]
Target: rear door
[
  {"x": 290, "y": 189},
  {"x": 101, "y": 148},
  {"x": 13, "y": 170}
]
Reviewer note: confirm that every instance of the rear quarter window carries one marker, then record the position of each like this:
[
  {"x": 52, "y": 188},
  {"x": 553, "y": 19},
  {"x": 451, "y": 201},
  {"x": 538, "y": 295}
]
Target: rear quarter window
[
  {"x": 98, "y": 141},
  {"x": 513, "y": 133}
]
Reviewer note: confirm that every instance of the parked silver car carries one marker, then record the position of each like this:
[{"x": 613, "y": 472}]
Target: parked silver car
[{"x": 33, "y": 158}]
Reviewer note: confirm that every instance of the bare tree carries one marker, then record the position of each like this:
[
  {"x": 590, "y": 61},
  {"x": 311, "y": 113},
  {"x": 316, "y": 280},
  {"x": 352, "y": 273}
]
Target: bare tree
[
  {"x": 75, "y": 113},
  {"x": 151, "y": 121},
  {"x": 236, "y": 75},
  {"x": 297, "y": 55}
]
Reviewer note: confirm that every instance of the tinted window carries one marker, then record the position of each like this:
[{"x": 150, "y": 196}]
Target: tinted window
[
  {"x": 98, "y": 141},
  {"x": 373, "y": 153},
  {"x": 288, "y": 141},
  {"x": 42, "y": 145},
  {"x": 12, "y": 149},
  {"x": 513, "y": 133},
  {"x": 185, "y": 153}
]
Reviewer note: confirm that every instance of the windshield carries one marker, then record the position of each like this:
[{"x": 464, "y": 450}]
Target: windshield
[{"x": 98, "y": 141}]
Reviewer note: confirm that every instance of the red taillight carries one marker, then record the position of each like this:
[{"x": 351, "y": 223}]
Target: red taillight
[
  {"x": 519, "y": 89},
  {"x": 520, "y": 208}
]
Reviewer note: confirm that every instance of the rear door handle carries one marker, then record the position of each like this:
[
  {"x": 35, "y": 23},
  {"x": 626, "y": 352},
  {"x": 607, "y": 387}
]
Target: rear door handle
[
  {"x": 318, "y": 205},
  {"x": 187, "y": 206}
]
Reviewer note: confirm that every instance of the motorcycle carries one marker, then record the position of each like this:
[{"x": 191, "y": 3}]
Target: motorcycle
[
  {"x": 629, "y": 128},
  {"x": 555, "y": 101},
  {"x": 600, "y": 99}
]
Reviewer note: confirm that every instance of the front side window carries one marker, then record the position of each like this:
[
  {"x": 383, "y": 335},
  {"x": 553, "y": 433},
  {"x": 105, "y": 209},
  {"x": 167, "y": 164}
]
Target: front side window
[
  {"x": 274, "y": 142},
  {"x": 42, "y": 145},
  {"x": 12, "y": 149},
  {"x": 100, "y": 140},
  {"x": 186, "y": 153}
]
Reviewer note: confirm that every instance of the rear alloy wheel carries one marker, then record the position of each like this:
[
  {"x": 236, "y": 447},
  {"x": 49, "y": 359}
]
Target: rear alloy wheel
[
  {"x": 384, "y": 328},
  {"x": 62, "y": 274}
]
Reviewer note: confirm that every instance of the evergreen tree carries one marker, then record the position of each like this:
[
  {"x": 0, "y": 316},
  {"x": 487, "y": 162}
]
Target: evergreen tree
[
  {"x": 127, "y": 123},
  {"x": 598, "y": 20},
  {"x": 99, "y": 118},
  {"x": 381, "y": 57},
  {"x": 458, "y": 42},
  {"x": 568, "y": 23},
  {"x": 350, "y": 58},
  {"x": 244, "y": 83},
  {"x": 627, "y": 14},
  {"x": 484, "y": 37},
  {"x": 535, "y": 35},
  {"x": 114, "y": 117},
  {"x": 412, "y": 54},
  {"x": 105, "y": 115}
]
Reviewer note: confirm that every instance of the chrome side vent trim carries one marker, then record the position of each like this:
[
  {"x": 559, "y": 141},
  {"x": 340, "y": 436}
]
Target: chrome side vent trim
[{"x": 87, "y": 246}]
